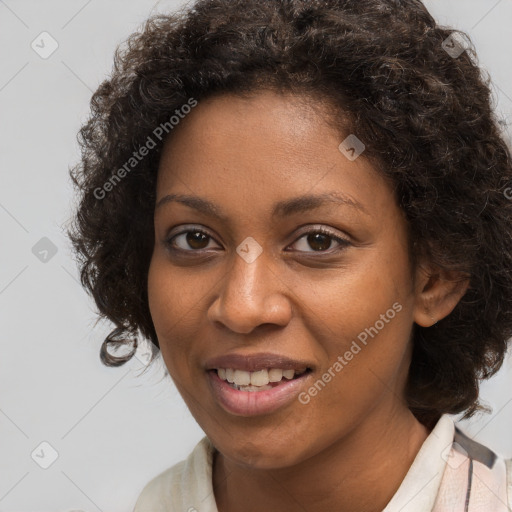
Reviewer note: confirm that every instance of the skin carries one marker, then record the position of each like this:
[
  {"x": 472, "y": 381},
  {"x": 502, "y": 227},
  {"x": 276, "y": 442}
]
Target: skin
[{"x": 350, "y": 447}]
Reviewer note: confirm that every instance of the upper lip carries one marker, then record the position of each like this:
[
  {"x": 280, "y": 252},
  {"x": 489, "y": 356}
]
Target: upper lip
[{"x": 256, "y": 362}]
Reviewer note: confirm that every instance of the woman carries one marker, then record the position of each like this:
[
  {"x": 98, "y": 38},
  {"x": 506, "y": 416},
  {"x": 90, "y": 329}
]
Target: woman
[{"x": 302, "y": 204}]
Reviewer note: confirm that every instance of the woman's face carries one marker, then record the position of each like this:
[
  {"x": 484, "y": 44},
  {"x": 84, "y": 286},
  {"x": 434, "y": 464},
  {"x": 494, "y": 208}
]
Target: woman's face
[{"x": 260, "y": 283}]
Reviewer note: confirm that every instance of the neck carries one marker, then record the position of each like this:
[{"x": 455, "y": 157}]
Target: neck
[{"x": 362, "y": 471}]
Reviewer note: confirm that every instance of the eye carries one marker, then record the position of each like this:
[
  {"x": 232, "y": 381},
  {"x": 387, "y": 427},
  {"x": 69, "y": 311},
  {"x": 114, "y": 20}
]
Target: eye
[
  {"x": 195, "y": 239},
  {"x": 320, "y": 239}
]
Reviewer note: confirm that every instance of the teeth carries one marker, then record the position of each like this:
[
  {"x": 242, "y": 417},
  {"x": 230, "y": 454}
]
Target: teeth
[
  {"x": 288, "y": 374},
  {"x": 275, "y": 375},
  {"x": 242, "y": 378},
  {"x": 260, "y": 378}
]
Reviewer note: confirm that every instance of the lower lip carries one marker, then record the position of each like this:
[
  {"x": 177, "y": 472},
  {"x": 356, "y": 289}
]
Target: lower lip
[{"x": 252, "y": 403}]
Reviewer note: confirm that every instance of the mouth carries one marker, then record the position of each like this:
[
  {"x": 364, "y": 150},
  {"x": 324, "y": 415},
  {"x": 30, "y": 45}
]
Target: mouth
[{"x": 257, "y": 393}]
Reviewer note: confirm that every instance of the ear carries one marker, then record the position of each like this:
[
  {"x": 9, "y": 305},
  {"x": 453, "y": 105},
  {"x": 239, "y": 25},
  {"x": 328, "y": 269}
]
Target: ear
[{"x": 437, "y": 292}]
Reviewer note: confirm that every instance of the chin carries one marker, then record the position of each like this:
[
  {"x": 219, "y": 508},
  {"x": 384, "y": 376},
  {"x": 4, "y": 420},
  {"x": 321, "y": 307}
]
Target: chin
[{"x": 262, "y": 452}]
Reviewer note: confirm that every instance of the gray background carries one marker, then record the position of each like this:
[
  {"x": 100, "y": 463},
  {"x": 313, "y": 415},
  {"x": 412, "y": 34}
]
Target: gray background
[{"x": 111, "y": 429}]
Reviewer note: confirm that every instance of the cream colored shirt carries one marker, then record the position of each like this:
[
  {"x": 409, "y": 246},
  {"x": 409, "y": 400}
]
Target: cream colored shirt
[{"x": 450, "y": 473}]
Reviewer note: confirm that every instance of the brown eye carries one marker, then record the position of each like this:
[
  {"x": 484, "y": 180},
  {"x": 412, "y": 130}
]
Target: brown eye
[
  {"x": 196, "y": 239},
  {"x": 190, "y": 241},
  {"x": 320, "y": 240}
]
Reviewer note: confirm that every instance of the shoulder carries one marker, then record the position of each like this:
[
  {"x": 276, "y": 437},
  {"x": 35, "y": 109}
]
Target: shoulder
[
  {"x": 182, "y": 485},
  {"x": 454, "y": 472},
  {"x": 489, "y": 477}
]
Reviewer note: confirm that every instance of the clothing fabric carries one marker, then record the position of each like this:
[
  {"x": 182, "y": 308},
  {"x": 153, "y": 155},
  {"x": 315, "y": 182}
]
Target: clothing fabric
[{"x": 451, "y": 472}]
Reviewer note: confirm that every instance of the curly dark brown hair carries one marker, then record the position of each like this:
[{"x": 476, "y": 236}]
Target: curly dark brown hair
[{"x": 425, "y": 117}]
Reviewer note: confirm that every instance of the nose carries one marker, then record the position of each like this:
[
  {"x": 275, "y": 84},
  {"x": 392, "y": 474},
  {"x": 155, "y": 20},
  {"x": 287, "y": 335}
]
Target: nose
[{"x": 250, "y": 295}]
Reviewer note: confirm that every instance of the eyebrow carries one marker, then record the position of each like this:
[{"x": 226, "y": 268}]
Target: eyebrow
[{"x": 284, "y": 208}]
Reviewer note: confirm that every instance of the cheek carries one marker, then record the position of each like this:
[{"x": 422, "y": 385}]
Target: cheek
[
  {"x": 364, "y": 316},
  {"x": 350, "y": 300},
  {"x": 171, "y": 294},
  {"x": 168, "y": 306},
  {"x": 176, "y": 303}
]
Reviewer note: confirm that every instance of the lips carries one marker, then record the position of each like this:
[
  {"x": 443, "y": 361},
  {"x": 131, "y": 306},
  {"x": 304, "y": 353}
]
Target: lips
[
  {"x": 253, "y": 403},
  {"x": 250, "y": 399}
]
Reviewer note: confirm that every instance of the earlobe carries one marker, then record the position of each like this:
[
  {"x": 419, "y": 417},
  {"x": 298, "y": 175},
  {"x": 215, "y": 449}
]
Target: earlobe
[{"x": 437, "y": 294}]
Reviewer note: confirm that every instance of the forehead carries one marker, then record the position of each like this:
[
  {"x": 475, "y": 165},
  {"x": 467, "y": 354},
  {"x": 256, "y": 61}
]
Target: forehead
[{"x": 262, "y": 149}]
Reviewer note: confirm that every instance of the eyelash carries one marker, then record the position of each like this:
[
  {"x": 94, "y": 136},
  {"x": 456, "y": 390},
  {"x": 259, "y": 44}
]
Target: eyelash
[{"x": 342, "y": 241}]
